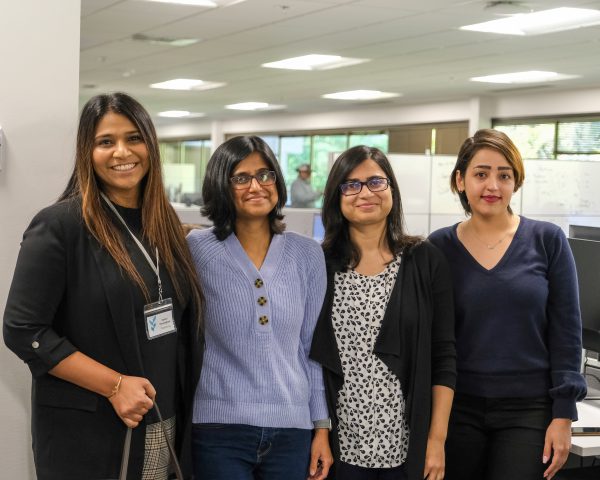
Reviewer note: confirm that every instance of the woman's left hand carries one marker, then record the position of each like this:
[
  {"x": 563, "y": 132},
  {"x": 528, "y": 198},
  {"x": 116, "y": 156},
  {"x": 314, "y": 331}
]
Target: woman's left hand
[
  {"x": 557, "y": 445},
  {"x": 435, "y": 460},
  {"x": 321, "y": 458}
]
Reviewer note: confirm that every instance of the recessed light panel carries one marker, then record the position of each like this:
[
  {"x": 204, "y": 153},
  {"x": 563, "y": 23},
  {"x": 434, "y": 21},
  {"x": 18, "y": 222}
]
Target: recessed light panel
[
  {"x": 186, "y": 84},
  {"x": 179, "y": 114},
  {"x": 200, "y": 3},
  {"x": 360, "y": 95},
  {"x": 537, "y": 23},
  {"x": 532, "y": 76},
  {"x": 254, "y": 106},
  {"x": 315, "y": 62}
]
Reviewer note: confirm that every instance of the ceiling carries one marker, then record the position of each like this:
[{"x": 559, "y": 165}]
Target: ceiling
[{"x": 414, "y": 47}]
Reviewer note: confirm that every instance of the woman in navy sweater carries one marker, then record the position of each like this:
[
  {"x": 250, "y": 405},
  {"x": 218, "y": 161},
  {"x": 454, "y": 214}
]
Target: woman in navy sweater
[{"x": 518, "y": 327}]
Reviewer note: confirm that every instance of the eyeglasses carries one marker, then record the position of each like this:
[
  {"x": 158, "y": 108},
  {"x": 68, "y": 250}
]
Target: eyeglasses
[
  {"x": 264, "y": 179},
  {"x": 374, "y": 184}
]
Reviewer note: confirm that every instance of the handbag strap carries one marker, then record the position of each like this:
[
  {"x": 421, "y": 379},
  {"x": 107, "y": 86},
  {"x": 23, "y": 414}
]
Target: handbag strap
[{"x": 127, "y": 448}]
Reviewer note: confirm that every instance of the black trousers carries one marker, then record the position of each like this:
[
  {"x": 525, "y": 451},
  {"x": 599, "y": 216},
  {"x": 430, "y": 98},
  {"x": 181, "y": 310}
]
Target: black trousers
[
  {"x": 345, "y": 471},
  {"x": 497, "y": 438}
]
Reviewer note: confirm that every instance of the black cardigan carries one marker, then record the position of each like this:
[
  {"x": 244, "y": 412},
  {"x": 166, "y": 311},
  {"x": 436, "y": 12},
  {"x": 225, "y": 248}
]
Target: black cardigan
[
  {"x": 416, "y": 342},
  {"x": 68, "y": 294}
]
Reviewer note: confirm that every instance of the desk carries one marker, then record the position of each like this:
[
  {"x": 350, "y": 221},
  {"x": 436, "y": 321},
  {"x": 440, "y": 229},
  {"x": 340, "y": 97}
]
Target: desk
[{"x": 589, "y": 416}]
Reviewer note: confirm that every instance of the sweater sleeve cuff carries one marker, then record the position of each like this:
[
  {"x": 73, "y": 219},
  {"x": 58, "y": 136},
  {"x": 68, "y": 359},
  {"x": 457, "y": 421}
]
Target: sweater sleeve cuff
[
  {"x": 318, "y": 406},
  {"x": 564, "y": 408}
]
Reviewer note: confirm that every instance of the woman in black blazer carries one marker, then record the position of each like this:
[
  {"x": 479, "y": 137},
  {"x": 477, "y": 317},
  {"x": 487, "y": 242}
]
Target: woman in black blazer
[
  {"x": 385, "y": 336},
  {"x": 104, "y": 308}
]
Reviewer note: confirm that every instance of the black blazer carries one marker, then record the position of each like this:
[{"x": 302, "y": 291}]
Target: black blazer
[
  {"x": 68, "y": 294},
  {"x": 416, "y": 342}
]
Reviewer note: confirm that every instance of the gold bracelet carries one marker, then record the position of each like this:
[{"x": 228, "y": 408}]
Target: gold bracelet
[{"x": 115, "y": 389}]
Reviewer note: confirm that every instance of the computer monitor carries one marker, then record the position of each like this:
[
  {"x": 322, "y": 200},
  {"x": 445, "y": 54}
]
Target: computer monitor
[
  {"x": 587, "y": 262},
  {"x": 318, "y": 229},
  {"x": 585, "y": 232}
]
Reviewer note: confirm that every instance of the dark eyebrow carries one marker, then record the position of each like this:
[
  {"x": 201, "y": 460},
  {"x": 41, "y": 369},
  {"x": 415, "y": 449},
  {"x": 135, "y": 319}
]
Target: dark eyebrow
[
  {"x": 103, "y": 135},
  {"x": 368, "y": 178},
  {"x": 260, "y": 170},
  {"x": 487, "y": 167}
]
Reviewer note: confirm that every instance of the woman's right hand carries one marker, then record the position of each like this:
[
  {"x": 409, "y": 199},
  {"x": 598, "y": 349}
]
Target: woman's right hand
[{"x": 133, "y": 400}]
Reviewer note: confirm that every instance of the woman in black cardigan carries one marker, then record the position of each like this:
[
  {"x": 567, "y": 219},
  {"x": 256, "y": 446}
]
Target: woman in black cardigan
[
  {"x": 385, "y": 337},
  {"x": 76, "y": 312}
]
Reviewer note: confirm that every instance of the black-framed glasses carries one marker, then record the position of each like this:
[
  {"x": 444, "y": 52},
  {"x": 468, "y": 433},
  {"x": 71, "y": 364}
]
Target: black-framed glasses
[
  {"x": 374, "y": 184},
  {"x": 264, "y": 179}
]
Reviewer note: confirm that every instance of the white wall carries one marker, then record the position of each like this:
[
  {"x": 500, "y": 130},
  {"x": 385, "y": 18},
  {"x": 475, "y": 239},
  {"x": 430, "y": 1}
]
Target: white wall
[
  {"x": 478, "y": 111},
  {"x": 38, "y": 115}
]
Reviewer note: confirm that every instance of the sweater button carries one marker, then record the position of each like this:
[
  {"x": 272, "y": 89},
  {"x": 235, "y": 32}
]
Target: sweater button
[
  {"x": 262, "y": 301},
  {"x": 35, "y": 345},
  {"x": 263, "y": 320},
  {"x": 258, "y": 283}
]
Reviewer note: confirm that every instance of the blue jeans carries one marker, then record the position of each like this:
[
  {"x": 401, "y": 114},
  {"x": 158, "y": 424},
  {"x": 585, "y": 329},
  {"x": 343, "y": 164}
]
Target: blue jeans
[{"x": 244, "y": 452}]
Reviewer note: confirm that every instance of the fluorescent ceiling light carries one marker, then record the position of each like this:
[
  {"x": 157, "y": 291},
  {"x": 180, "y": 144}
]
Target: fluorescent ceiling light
[
  {"x": 179, "y": 114},
  {"x": 532, "y": 76},
  {"x": 186, "y": 84},
  {"x": 200, "y": 3},
  {"x": 315, "y": 62},
  {"x": 172, "y": 42},
  {"x": 536, "y": 23},
  {"x": 360, "y": 95},
  {"x": 254, "y": 106}
]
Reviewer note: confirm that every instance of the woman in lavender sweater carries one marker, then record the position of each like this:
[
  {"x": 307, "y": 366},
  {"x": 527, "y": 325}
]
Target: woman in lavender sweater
[{"x": 260, "y": 397}]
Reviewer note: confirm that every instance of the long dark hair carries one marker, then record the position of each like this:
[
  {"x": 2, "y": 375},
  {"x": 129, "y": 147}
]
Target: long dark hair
[
  {"x": 340, "y": 251},
  {"x": 216, "y": 189},
  {"x": 160, "y": 225}
]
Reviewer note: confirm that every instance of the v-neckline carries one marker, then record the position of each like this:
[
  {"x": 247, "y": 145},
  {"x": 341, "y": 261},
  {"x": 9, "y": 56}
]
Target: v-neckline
[
  {"x": 503, "y": 258},
  {"x": 241, "y": 258}
]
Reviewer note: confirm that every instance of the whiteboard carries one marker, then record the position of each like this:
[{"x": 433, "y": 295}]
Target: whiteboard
[
  {"x": 561, "y": 187},
  {"x": 417, "y": 224},
  {"x": 443, "y": 201},
  {"x": 413, "y": 174}
]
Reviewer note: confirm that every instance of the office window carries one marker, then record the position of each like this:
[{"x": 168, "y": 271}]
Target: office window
[
  {"x": 535, "y": 140},
  {"x": 184, "y": 163},
  {"x": 323, "y": 147},
  {"x": 578, "y": 140},
  {"x": 377, "y": 140},
  {"x": 563, "y": 139}
]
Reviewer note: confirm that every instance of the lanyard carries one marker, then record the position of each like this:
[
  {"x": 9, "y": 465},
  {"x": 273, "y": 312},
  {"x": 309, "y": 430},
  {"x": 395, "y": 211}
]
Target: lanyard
[{"x": 155, "y": 268}]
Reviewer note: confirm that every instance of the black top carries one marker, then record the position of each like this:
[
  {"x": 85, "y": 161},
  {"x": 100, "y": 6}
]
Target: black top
[
  {"x": 159, "y": 354},
  {"x": 67, "y": 295}
]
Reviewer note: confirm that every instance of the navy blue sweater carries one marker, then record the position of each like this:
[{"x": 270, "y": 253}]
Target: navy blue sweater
[{"x": 518, "y": 325}]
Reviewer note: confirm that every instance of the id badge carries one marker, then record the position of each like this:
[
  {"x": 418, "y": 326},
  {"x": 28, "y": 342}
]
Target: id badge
[{"x": 158, "y": 317}]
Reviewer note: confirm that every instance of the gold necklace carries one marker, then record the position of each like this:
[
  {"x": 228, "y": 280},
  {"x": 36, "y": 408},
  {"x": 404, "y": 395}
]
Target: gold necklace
[{"x": 490, "y": 246}]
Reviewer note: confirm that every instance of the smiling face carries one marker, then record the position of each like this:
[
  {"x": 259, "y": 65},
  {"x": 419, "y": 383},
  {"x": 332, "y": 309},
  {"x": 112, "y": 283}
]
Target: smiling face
[
  {"x": 367, "y": 207},
  {"x": 120, "y": 159},
  {"x": 255, "y": 201},
  {"x": 489, "y": 183}
]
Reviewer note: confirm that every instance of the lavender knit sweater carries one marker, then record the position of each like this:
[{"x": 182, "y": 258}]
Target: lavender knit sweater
[{"x": 259, "y": 327}]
